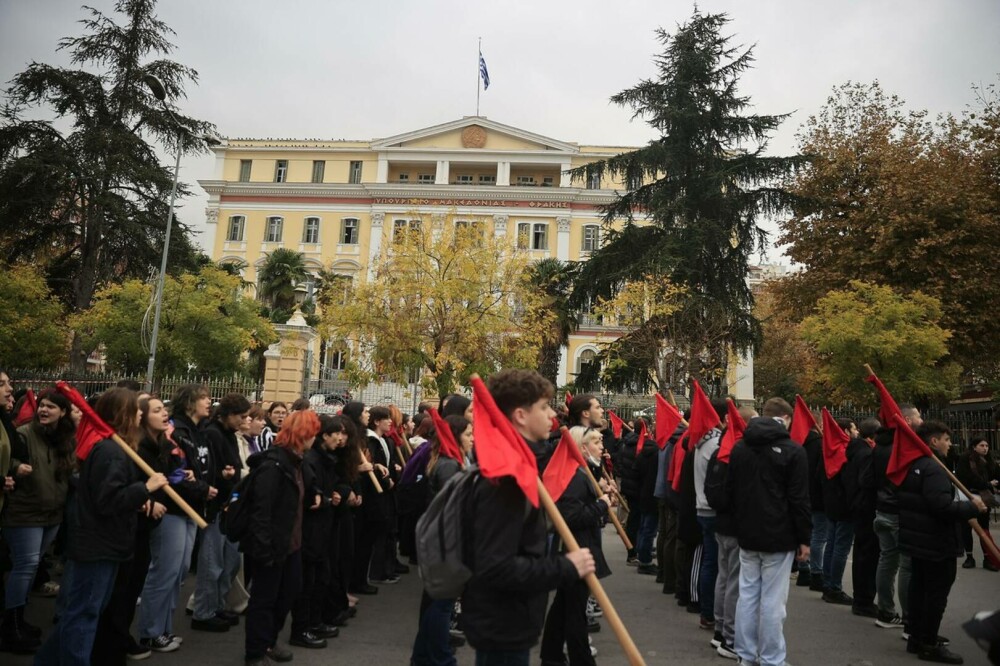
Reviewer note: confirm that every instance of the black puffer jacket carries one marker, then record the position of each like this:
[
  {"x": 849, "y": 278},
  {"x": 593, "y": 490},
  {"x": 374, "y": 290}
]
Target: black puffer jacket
[
  {"x": 584, "y": 516},
  {"x": 860, "y": 502},
  {"x": 626, "y": 467},
  {"x": 767, "y": 486},
  {"x": 646, "y": 465},
  {"x": 110, "y": 492},
  {"x": 275, "y": 501},
  {"x": 503, "y": 605},
  {"x": 814, "y": 453},
  {"x": 319, "y": 477},
  {"x": 929, "y": 517}
]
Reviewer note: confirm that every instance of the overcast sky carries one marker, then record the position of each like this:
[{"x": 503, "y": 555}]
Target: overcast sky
[{"x": 334, "y": 69}]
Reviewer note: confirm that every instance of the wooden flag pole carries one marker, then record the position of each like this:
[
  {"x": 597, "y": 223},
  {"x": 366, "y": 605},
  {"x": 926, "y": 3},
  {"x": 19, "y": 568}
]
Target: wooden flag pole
[
  {"x": 670, "y": 398},
  {"x": 984, "y": 539},
  {"x": 611, "y": 512},
  {"x": 378, "y": 486},
  {"x": 621, "y": 633},
  {"x": 149, "y": 471}
]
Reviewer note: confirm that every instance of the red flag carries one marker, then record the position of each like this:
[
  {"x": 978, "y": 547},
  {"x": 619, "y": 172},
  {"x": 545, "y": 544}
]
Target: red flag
[
  {"x": 834, "y": 445},
  {"x": 735, "y": 426},
  {"x": 887, "y": 405},
  {"x": 802, "y": 421},
  {"x": 569, "y": 399},
  {"x": 447, "y": 446},
  {"x": 643, "y": 436},
  {"x": 667, "y": 420},
  {"x": 500, "y": 449},
  {"x": 907, "y": 447},
  {"x": 91, "y": 428},
  {"x": 555, "y": 424},
  {"x": 395, "y": 436},
  {"x": 565, "y": 460},
  {"x": 28, "y": 409},
  {"x": 703, "y": 419},
  {"x": 616, "y": 424}
]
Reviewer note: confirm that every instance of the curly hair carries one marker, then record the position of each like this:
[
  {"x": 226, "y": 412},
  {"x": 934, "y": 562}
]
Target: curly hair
[{"x": 518, "y": 388}]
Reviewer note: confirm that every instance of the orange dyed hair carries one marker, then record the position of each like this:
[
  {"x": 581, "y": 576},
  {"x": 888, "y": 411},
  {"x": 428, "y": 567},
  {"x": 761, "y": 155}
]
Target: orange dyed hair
[{"x": 298, "y": 430}]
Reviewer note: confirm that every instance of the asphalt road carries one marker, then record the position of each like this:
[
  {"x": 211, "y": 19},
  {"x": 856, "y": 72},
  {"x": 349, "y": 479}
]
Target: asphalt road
[{"x": 817, "y": 633}]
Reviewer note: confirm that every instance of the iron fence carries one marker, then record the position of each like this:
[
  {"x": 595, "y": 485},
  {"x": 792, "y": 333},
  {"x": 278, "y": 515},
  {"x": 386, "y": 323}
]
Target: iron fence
[{"x": 91, "y": 383}]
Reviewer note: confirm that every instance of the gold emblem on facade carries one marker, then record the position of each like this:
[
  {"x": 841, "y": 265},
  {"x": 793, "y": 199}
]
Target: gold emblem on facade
[{"x": 473, "y": 136}]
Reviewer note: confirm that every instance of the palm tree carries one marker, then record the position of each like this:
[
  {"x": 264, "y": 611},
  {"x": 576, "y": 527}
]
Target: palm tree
[
  {"x": 554, "y": 278},
  {"x": 282, "y": 271}
]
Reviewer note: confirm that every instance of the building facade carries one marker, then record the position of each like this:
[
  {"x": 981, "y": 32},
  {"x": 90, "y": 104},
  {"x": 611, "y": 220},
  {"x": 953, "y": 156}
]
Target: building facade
[{"x": 340, "y": 202}]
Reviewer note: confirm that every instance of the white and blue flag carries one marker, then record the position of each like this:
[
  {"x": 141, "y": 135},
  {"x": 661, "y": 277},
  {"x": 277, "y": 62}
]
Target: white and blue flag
[{"x": 483, "y": 72}]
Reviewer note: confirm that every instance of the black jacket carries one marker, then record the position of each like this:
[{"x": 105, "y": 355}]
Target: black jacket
[
  {"x": 836, "y": 505},
  {"x": 584, "y": 515},
  {"x": 225, "y": 451},
  {"x": 715, "y": 493},
  {"x": 976, "y": 477},
  {"x": 768, "y": 487},
  {"x": 192, "y": 438},
  {"x": 814, "y": 453},
  {"x": 688, "y": 529},
  {"x": 275, "y": 504},
  {"x": 171, "y": 459},
  {"x": 110, "y": 492},
  {"x": 319, "y": 477},
  {"x": 626, "y": 467},
  {"x": 929, "y": 517},
  {"x": 885, "y": 491},
  {"x": 860, "y": 502},
  {"x": 503, "y": 605},
  {"x": 646, "y": 465}
]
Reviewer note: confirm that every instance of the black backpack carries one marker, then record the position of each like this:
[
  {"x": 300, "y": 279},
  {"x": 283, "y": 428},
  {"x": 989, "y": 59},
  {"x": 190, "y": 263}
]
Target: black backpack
[
  {"x": 234, "y": 520},
  {"x": 443, "y": 537}
]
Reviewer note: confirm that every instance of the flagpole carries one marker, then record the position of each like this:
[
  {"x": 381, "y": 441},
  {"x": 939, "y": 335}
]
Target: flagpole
[
  {"x": 611, "y": 512},
  {"x": 478, "y": 75}
]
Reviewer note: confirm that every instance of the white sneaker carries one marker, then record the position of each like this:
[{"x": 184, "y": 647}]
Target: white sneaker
[{"x": 593, "y": 651}]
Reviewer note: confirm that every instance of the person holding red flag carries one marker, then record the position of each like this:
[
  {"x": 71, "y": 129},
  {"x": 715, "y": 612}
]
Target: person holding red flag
[
  {"x": 930, "y": 518},
  {"x": 704, "y": 449},
  {"x": 503, "y": 604},
  {"x": 805, "y": 431},
  {"x": 837, "y": 434},
  {"x": 584, "y": 512},
  {"x": 110, "y": 495}
]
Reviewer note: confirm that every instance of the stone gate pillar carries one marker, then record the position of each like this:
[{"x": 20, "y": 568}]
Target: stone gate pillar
[{"x": 286, "y": 362}]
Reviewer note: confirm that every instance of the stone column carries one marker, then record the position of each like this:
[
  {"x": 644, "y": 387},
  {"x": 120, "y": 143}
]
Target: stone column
[
  {"x": 375, "y": 243},
  {"x": 382, "y": 173},
  {"x": 562, "y": 241},
  {"x": 565, "y": 180},
  {"x": 286, "y": 361},
  {"x": 441, "y": 176},
  {"x": 503, "y": 173}
]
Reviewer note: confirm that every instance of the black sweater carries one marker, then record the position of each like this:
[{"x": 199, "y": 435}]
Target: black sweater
[{"x": 275, "y": 505}]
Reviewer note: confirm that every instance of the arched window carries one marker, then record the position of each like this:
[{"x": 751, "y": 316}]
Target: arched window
[
  {"x": 587, "y": 357},
  {"x": 273, "y": 231}
]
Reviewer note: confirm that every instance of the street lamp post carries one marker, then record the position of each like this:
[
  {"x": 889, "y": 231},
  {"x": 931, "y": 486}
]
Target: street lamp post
[{"x": 160, "y": 93}]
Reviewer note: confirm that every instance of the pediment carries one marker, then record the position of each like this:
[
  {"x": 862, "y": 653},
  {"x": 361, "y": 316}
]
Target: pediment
[{"x": 473, "y": 133}]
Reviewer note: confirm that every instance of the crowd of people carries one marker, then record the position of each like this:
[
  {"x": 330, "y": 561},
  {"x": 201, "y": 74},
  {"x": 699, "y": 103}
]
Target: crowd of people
[{"x": 306, "y": 513}]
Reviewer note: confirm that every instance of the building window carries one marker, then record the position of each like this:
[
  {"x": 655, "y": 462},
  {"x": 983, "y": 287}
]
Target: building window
[
  {"x": 280, "y": 171},
  {"x": 404, "y": 178},
  {"x": 594, "y": 181},
  {"x": 400, "y": 227},
  {"x": 488, "y": 180},
  {"x": 273, "y": 234},
  {"x": 336, "y": 359},
  {"x": 310, "y": 231},
  {"x": 587, "y": 357},
  {"x": 426, "y": 179},
  {"x": 525, "y": 180},
  {"x": 237, "y": 223},
  {"x": 591, "y": 238},
  {"x": 349, "y": 231},
  {"x": 355, "y": 173},
  {"x": 245, "y": 170},
  {"x": 319, "y": 170},
  {"x": 540, "y": 236},
  {"x": 523, "y": 235},
  {"x": 548, "y": 181},
  {"x": 464, "y": 179}
]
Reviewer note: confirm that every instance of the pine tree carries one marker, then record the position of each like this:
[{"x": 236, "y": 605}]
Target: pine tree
[
  {"x": 703, "y": 184},
  {"x": 90, "y": 205}
]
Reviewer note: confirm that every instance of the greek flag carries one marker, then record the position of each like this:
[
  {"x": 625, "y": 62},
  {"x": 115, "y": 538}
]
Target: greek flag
[{"x": 483, "y": 72}]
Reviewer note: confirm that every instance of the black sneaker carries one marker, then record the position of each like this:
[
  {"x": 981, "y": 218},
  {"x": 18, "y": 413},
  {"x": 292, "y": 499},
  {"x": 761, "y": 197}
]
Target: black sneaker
[
  {"x": 816, "y": 584},
  {"x": 648, "y": 569},
  {"x": 804, "y": 579},
  {"x": 214, "y": 624},
  {"x": 939, "y": 654},
  {"x": 969, "y": 563},
  {"x": 391, "y": 580},
  {"x": 593, "y": 627},
  {"x": 717, "y": 640},
  {"x": 726, "y": 650},
  {"x": 159, "y": 644},
  {"x": 231, "y": 617},
  {"x": 136, "y": 652},
  {"x": 307, "y": 640},
  {"x": 865, "y": 611},
  {"x": 889, "y": 621},
  {"x": 838, "y": 597},
  {"x": 280, "y": 654}
]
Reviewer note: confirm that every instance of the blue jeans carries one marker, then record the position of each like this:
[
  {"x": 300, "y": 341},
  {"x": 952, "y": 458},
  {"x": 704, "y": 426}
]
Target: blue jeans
[
  {"x": 218, "y": 564},
  {"x": 431, "y": 646},
  {"x": 26, "y": 547},
  {"x": 709, "y": 567},
  {"x": 891, "y": 561},
  {"x": 818, "y": 544},
  {"x": 72, "y": 640},
  {"x": 840, "y": 538},
  {"x": 170, "y": 547},
  {"x": 760, "y": 611},
  {"x": 647, "y": 533},
  {"x": 502, "y": 658}
]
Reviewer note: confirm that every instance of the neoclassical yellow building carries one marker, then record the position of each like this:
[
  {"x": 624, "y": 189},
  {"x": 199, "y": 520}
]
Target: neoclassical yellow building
[{"x": 339, "y": 202}]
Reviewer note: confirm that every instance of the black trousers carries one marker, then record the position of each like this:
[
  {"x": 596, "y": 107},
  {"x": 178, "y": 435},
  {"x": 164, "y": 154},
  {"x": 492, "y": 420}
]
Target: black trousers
[
  {"x": 984, "y": 522},
  {"x": 114, "y": 629},
  {"x": 632, "y": 522},
  {"x": 865, "y": 562},
  {"x": 369, "y": 552},
  {"x": 684, "y": 563},
  {"x": 308, "y": 609},
  {"x": 666, "y": 546},
  {"x": 566, "y": 624},
  {"x": 930, "y": 584},
  {"x": 275, "y": 588}
]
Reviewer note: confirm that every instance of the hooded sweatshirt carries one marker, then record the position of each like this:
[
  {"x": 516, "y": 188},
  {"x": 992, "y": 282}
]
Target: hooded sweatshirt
[{"x": 708, "y": 445}]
